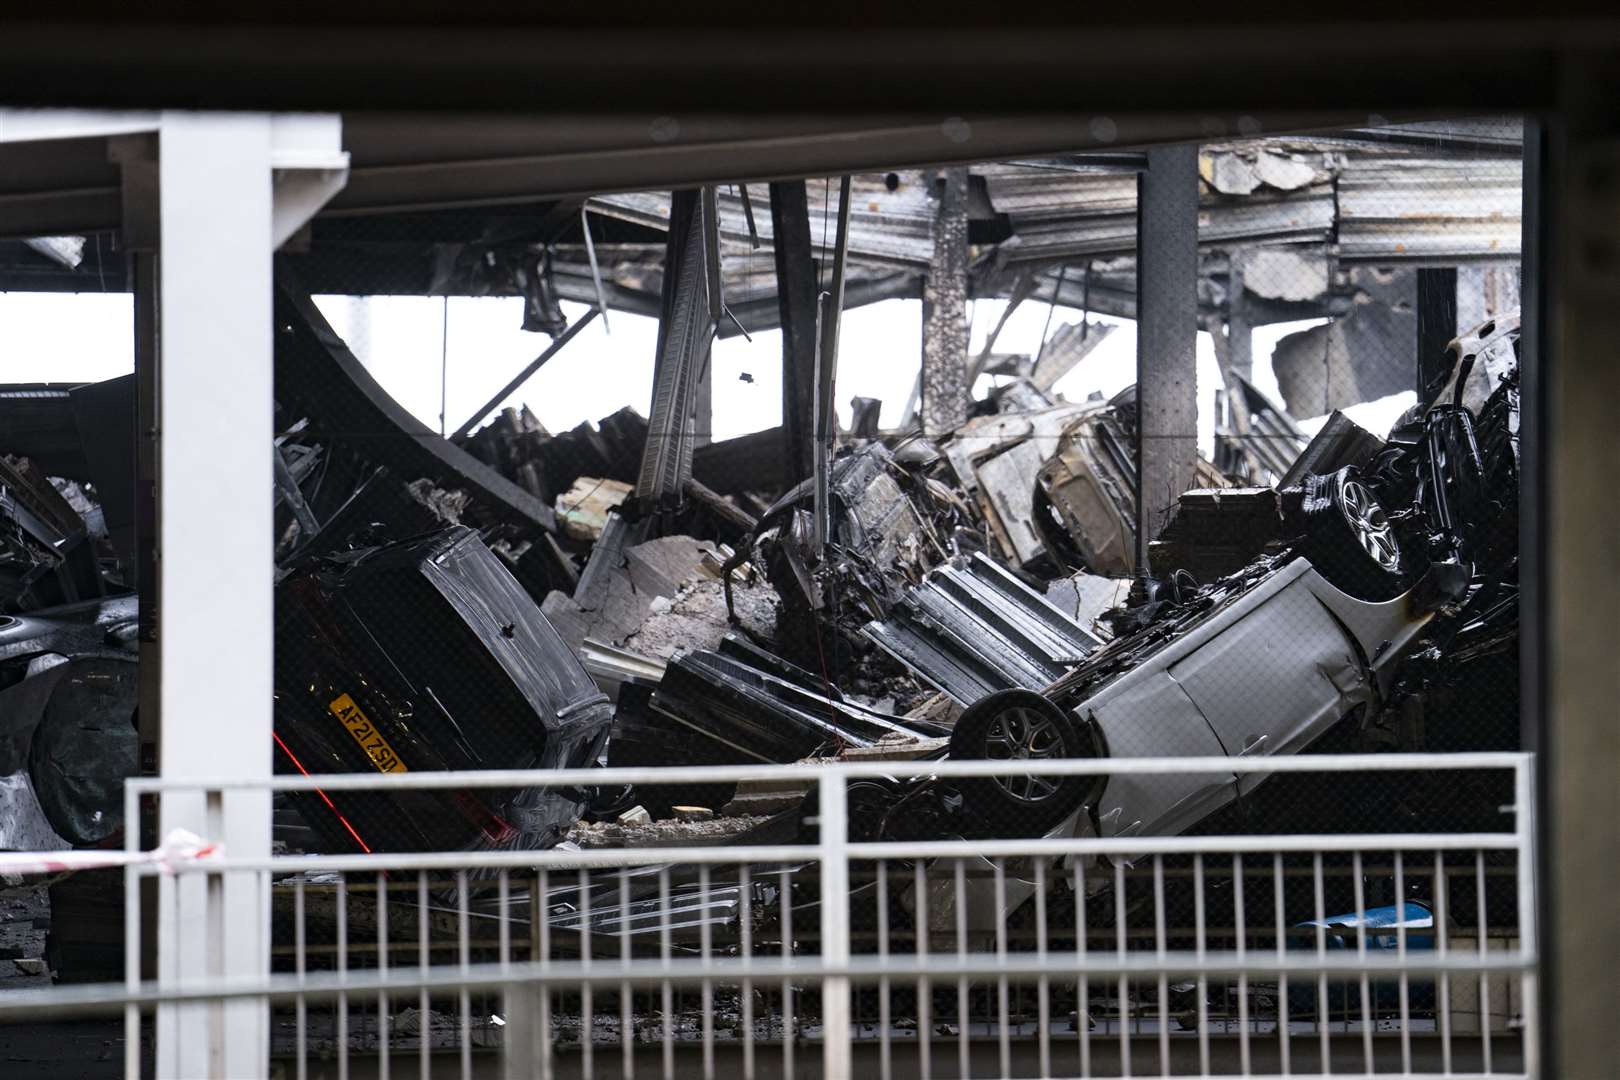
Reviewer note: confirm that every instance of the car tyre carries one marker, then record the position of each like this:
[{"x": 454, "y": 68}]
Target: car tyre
[
  {"x": 1349, "y": 539},
  {"x": 1012, "y": 725}
]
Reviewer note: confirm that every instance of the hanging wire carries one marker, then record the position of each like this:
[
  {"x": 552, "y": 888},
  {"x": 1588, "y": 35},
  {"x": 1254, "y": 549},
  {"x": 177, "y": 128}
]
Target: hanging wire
[
  {"x": 1050, "y": 309},
  {"x": 1085, "y": 302},
  {"x": 444, "y": 361},
  {"x": 596, "y": 271}
]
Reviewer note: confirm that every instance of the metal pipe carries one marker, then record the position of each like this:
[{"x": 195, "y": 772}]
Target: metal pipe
[
  {"x": 1052, "y": 307},
  {"x": 789, "y": 853},
  {"x": 748, "y": 215},
  {"x": 69, "y": 1000},
  {"x": 834, "y": 858},
  {"x": 710, "y": 224},
  {"x": 687, "y": 774},
  {"x": 829, "y": 310},
  {"x": 818, "y": 458}
]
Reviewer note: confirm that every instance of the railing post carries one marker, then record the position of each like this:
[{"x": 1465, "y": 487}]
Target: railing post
[
  {"x": 132, "y": 933},
  {"x": 1524, "y": 823},
  {"x": 834, "y": 859}
]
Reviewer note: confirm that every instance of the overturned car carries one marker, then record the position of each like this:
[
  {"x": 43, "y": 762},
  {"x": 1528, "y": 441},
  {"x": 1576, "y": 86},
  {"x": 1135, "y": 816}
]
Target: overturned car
[
  {"x": 1377, "y": 572},
  {"x": 426, "y": 653}
]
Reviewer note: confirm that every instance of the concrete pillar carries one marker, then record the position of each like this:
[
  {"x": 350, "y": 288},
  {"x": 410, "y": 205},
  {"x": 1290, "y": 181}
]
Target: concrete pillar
[
  {"x": 1166, "y": 336},
  {"x": 1239, "y": 328},
  {"x": 215, "y": 544},
  {"x": 945, "y": 390},
  {"x": 230, "y": 188},
  {"x": 1573, "y": 235}
]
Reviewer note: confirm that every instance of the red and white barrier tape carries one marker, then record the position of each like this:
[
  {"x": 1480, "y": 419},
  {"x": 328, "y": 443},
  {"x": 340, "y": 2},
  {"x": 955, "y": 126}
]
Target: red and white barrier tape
[{"x": 178, "y": 847}]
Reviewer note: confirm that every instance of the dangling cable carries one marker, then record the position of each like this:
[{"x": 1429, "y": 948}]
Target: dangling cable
[
  {"x": 444, "y": 361},
  {"x": 1052, "y": 307},
  {"x": 596, "y": 271}
]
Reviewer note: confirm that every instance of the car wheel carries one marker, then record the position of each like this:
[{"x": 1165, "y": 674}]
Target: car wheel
[
  {"x": 1350, "y": 540},
  {"x": 1020, "y": 725}
]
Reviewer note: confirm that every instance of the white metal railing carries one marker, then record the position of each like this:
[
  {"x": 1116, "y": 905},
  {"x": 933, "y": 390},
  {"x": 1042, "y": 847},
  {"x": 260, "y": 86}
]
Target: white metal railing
[{"x": 1165, "y": 959}]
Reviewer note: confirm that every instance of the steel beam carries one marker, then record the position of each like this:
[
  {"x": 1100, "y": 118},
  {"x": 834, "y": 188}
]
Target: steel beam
[
  {"x": 1166, "y": 336},
  {"x": 523, "y": 376},
  {"x": 685, "y": 331},
  {"x": 796, "y": 302},
  {"x": 946, "y": 393},
  {"x": 320, "y": 378}
]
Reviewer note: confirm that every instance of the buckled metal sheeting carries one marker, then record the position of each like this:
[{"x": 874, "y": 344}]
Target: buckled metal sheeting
[
  {"x": 973, "y": 628},
  {"x": 765, "y": 707},
  {"x": 686, "y": 330}
]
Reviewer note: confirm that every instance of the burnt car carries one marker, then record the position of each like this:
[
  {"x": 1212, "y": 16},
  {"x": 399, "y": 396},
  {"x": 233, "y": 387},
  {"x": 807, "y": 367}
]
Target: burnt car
[
  {"x": 1382, "y": 574},
  {"x": 1083, "y": 507},
  {"x": 888, "y": 522},
  {"x": 426, "y": 653}
]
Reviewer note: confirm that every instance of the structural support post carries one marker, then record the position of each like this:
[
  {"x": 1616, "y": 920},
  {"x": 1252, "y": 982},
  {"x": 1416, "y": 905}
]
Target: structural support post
[
  {"x": 215, "y": 537},
  {"x": 229, "y": 189},
  {"x": 945, "y": 390},
  {"x": 1239, "y": 328},
  {"x": 685, "y": 331},
  {"x": 796, "y": 302},
  {"x": 826, "y": 426},
  {"x": 1578, "y": 222},
  {"x": 1166, "y": 336},
  {"x": 833, "y": 855},
  {"x": 136, "y": 156}
]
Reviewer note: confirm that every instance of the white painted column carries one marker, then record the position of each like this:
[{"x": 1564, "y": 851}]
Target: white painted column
[{"x": 215, "y": 559}]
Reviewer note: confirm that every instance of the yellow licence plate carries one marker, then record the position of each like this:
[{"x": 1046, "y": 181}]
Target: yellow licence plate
[{"x": 366, "y": 734}]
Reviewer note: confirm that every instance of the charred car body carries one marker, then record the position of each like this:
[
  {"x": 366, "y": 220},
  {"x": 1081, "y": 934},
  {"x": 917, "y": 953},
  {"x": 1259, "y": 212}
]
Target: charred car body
[
  {"x": 1385, "y": 576},
  {"x": 427, "y": 654}
]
